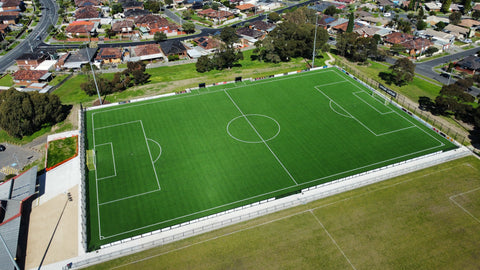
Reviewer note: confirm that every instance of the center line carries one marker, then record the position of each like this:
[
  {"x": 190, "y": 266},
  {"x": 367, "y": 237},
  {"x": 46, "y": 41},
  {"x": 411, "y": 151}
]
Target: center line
[{"x": 260, "y": 136}]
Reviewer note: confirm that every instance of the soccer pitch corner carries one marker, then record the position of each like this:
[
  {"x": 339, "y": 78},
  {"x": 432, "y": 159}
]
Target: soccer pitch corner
[{"x": 158, "y": 163}]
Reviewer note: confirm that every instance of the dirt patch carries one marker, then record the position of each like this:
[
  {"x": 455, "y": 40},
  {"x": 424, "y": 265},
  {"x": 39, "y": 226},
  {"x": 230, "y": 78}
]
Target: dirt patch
[{"x": 43, "y": 228}]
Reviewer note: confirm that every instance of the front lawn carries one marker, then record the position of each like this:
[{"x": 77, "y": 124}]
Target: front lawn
[
  {"x": 6, "y": 80},
  {"x": 59, "y": 151}
]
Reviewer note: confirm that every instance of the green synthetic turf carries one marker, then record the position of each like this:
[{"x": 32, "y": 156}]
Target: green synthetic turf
[{"x": 167, "y": 161}]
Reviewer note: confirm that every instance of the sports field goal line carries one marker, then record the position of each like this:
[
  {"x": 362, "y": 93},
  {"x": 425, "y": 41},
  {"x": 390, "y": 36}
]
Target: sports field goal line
[
  {"x": 113, "y": 161},
  {"x": 370, "y": 105}
]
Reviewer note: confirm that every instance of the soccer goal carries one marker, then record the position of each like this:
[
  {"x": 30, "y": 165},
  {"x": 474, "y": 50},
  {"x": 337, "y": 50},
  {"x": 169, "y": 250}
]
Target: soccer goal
[
  {"x": 91, "y": 160},
  {"x": 380, "y": 97}
]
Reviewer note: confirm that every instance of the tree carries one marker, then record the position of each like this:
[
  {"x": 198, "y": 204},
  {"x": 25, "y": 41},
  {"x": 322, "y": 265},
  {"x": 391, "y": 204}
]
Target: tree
[
  {"x": 204, "y": 64},
  {"x": 215, "y": 5},
  {"x": 404, "y": 26},
  {"x": 22, "y": 114},
  {"x": 446, "y": 6},
  {"x": 168, "y": 2},
  {"x": 421, "y": 25},
  {"x": 187, "y": 14},
  {"x": 110, "y": 33},
  {"x": 188, "y": 27},
  {"x": 431, "y": 50},
  {"x": 421, "y": 14},
  {"x": 116, "y": 8},
  {"x": 229, "y": 36},
  {"x": 351, "y": 23},
  {"x": 440, "y": 25},
  {"x": 403, "y": 71},
  {"x": 159, "y": 36},
  {"x": 476, "y": 14},
  {"x": 274, "y": 17},
  {"x": 397, "y": 49},
  {"x": 151, "y": 5},
  {"x": 467, "y": 6},
  {"x": 138, "y": 72},
  {"x": 330, "y": 10},
  {"x": 455, "y": 17}
]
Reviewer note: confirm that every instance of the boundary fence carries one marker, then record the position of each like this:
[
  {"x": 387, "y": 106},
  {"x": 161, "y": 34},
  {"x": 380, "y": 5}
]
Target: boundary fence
[{"x": 244, "y": 213}]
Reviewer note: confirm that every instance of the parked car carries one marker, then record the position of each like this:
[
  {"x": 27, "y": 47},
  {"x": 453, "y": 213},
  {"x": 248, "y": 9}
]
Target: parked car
[{"x": 2, "y": 148}]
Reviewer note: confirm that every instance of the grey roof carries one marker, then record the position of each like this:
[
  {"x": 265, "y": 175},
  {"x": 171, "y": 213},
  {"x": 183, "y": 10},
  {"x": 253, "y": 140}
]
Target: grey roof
[
  {"x": 471, "y": 62},
  {"x": 16, "y": 190},
  {"x": 81, "y": 57},
  {"x": 9, "y": 232},
  {"x": 24, "y": 185},
  {"x": 170, "y": 47}
]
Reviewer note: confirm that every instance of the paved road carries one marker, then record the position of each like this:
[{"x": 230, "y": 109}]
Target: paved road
[{"x": 49, "y": 16}]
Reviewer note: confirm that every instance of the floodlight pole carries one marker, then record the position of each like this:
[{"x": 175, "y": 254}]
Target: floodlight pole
[
  {"x": 315, "y": 40},
  {"x": 94, "y": 79}
]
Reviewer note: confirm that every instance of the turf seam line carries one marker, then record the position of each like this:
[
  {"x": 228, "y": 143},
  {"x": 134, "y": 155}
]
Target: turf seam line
[
  {"x": 96, "y": 180},
  {"x": 113, "y": 161},
  {"x": 333, "y": 240},
  {"x": 119, "y": 124},
  {"x": 261, "y": 138},
  {"x": 129, "y": 197},
  {"x": 452, "y": 198}
]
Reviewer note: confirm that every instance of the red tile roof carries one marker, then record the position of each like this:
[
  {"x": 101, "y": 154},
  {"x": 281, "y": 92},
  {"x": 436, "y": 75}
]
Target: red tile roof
[
  {"x": 28, "y": 75},
  {"x": 147, "y": 49},
  {"x": 109, "y": 53}
]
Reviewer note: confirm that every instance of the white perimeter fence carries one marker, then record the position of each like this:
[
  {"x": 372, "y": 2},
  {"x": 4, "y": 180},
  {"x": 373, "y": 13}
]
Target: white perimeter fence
[{"x": 254, "y": 210}]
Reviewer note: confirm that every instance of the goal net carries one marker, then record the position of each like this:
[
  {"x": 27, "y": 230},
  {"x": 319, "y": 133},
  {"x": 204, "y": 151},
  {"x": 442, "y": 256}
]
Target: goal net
[{"x": 91, "y": 160}]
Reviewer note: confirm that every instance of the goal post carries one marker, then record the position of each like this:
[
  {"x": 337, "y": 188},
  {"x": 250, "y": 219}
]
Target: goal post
[{"x": 91, "y": 160}]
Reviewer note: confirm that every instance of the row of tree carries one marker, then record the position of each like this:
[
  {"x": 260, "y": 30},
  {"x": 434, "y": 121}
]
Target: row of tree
[
  {"x": 24, "y": 113},
  {"x": 454, "y": 99},
  {"x": 134, "y": 75}
]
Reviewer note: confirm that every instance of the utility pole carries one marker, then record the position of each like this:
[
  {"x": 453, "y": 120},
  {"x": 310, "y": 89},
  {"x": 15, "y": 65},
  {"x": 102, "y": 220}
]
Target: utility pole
[{"x": 94, "y": 79}]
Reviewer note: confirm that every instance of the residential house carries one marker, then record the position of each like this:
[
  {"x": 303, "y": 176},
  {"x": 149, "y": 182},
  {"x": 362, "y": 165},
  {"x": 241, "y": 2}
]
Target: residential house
[
  {"x": 249, "y": 36},
  {"x": 456, "y": 7},
  {"x": 378, "y": 21},
  {"x": 156, "y": 23},
  {"x": 88, "y": 12},
  {"x": 146, "y": 52},
  {"x": 476, "y": 7},
  {"x": 4, "y": 28},
  {"x": 127, "y": 5},
  {"x": 370, "y": 31},
  {"x": 383, "y": 3},
  {"x": 336, "y": 22},
  {"x": 362, "y": 13},
  {"x": 341, "y": 28},
  {"x": 347, "y": 2},
  {"x": 134, "y": 13},
  {"x": 469, "y": 64},
  {"x": 263, "y": 26},
  {"x": 24, "y": 77},
  {"x": 459, "y": 32},
  {"x": 413, "y": 45},
  {"x": 441, "y": 40},
  {"x": 433, "y": 20},
  {"x": 79, "y": 58},
  {"x": 81, "y": 29},
  {"x": 469, "y": 23},
  {"x": 122, "y": 27},
  {"x": 12, "y": 5},
  {"x": 433, "y": 6},
  {"x": 207, "y": 43},
  {"x": 325, "y": 21},
  {"x": 87, "y": 3},
  {"x": 30, "y": 60},
  {"x": 109, "y": 55},
  {"x": 194, "y": 4},
  {"x": 245, "y": 8},
  {"x": 9, "y": 19},
  {"x": 369, "y": 6},
  {"x": 320, "y": 6},
  {"x": 216, "y": 15},
  {"x": 172, "y": 48}
]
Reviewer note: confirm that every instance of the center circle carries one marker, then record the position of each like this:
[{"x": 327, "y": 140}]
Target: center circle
[{"x": 253, "y": 128}]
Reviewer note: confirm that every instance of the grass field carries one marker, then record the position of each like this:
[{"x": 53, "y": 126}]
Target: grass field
[
  {"x": 428, "y": 219},
  {"x": 167, "y": 161}
]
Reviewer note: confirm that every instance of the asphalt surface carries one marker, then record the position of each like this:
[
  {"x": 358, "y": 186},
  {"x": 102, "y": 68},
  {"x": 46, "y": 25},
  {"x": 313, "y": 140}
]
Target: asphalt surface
[{"x": 34, "y": 39}]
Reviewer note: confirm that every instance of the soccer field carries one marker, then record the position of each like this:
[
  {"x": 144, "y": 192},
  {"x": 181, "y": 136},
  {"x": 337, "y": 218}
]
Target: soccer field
[{"x": 166, "y": 161}]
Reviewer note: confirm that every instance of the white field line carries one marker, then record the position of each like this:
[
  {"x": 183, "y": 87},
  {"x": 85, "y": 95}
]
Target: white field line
[
  {"x": 159, "y": 146},
  {"x": 96, "y": 180},
  {"x": 130, "y": 105},
  {"x": 288, "y": 216},
  {"x": 452, "y": 198},
  {"x": 150, "y": 154},
  {"x": 211, "y": 239},
  {"x": 238, "y": 201},
  {"x": 128, "y": 197},
  {"x": 333, "y": 240},
  {"x": 395, "y": 111},
  {"x": 113, "y": 160},
  {"x": 261, "y": 138},
  {"x": 339, "y": 113},
  {"x": 370, "y": 105},
  {"x": 120, "y": 124}
]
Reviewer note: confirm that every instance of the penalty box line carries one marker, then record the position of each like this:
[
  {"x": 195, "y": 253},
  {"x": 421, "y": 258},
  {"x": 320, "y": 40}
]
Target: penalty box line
[
  {"x": 113, "y": 161},
  {"x": 452, "y": 198}
]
